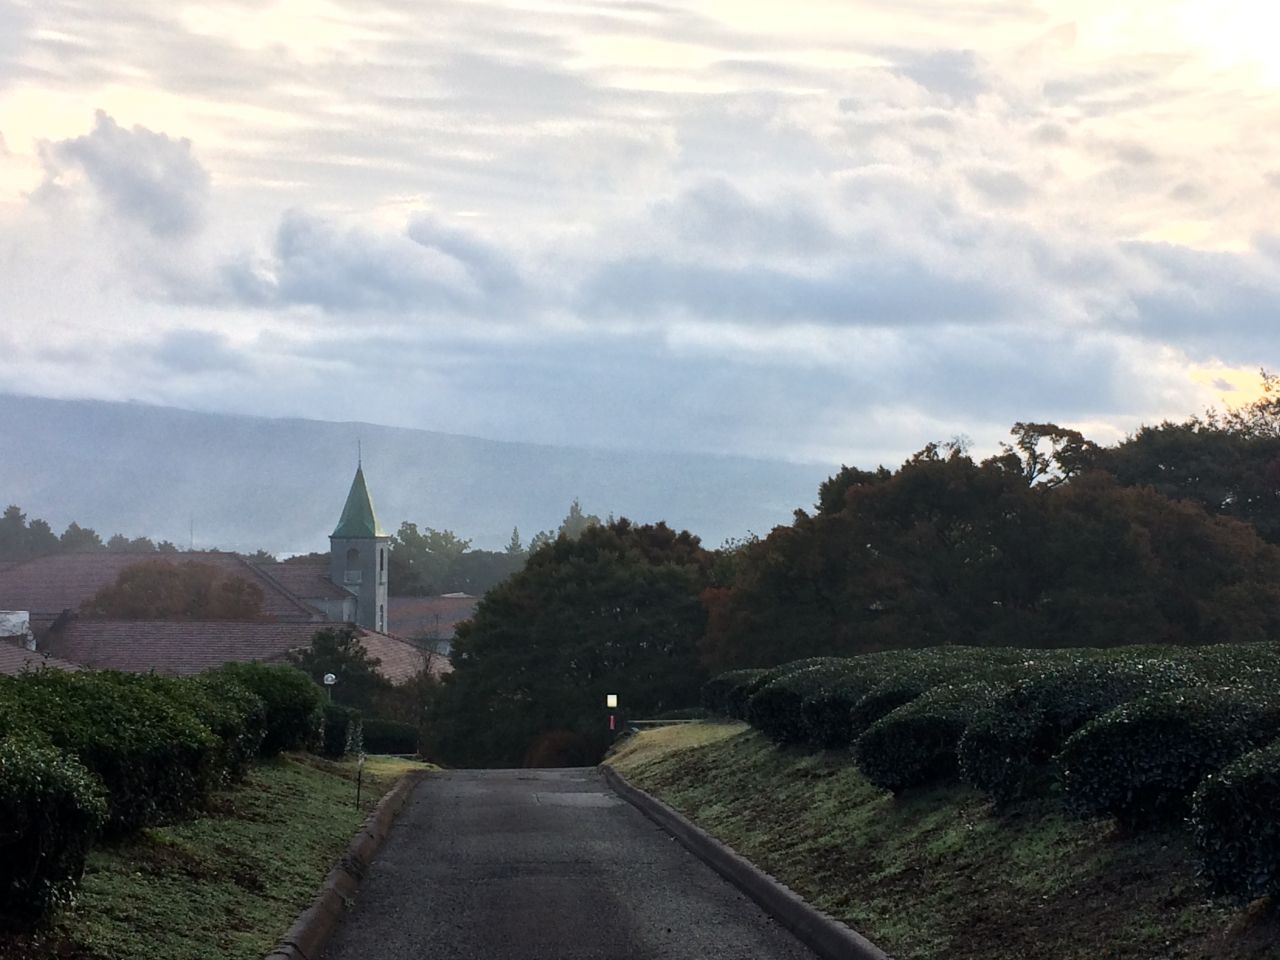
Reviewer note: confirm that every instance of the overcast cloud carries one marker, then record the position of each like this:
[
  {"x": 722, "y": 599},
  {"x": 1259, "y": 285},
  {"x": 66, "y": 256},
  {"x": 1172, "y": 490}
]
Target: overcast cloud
[{"x": 817, "y": 230}]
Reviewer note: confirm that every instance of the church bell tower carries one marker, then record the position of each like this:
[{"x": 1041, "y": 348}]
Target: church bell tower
[{"x": 358, "y": 556}]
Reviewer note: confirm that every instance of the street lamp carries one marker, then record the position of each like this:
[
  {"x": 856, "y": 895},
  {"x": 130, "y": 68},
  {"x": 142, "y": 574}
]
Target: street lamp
[
  {"x": 329, "y": 681},
  {"x": 611, "y": 701}
]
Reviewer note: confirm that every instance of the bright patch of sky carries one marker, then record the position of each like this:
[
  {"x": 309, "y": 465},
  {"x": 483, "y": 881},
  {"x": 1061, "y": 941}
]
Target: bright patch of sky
[{"x": 809, "y": 230}]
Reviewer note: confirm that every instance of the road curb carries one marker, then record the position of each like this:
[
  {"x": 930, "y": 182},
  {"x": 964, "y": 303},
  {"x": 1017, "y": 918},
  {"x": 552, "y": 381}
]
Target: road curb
[
  {"x": 822, "y": 933},
  {"x": 306, "y": 939}
]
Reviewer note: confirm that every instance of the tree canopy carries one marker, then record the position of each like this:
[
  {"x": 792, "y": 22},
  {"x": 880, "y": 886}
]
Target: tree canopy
[
  {"x": 338, "y": 650},
  {"x": 169, "y": 590},
  {"x": 615, "y": 610}
]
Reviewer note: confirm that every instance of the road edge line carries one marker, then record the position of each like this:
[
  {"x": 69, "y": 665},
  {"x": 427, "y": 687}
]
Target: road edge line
[
  {"x": 310, "y": 932},
  {"x": 821, "y": 932}
]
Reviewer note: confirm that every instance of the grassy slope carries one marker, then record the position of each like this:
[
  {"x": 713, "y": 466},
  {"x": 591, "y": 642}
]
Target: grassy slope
[
  {"x": 937, "y": 874},
  {"x": 225, "y": 885}
]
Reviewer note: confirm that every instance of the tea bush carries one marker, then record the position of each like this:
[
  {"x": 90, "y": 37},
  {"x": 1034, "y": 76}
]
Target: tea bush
[
  {"x": 1235, "y": 818},
  {"x": 293, "y": 704},
  {"x": 717, "y": 691}
]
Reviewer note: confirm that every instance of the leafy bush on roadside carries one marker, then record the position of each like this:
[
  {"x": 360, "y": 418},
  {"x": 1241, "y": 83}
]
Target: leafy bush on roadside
[
  {"x": 915, "y": 744},
  {"x": 1141, "y": 761},
  {"x": 51, "y": 808},
  {"x": 775, "y": 709},
  {"x": 388, "y": 736},
  {"x": 154, "y": 757},
  {"x": 717, "y": 691},
  {"x": 243, "y": 740},
  {"x": 1235, "y": 817},
  {"x": 1007, "y": 750},
  {"x": 293, "y": 704},
  {"x": 342, "y": 732}
]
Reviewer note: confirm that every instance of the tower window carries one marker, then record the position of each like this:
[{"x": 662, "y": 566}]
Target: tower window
[{"x": 353, "y": 566}]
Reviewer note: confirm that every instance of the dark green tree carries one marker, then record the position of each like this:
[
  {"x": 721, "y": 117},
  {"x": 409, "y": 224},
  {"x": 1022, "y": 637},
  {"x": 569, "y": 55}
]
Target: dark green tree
[
  {"x": 338, "y": 650},
  {"x": 614, "y": 611}
]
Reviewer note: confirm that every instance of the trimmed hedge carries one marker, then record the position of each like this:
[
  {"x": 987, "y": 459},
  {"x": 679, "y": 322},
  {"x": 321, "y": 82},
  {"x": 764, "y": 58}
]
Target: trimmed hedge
[
  {"x": 342, "y": 732},
  {"x": 294, "y": 704},
  {"x": 915, "y": 744},
  {"x": 1141, "y": 761},
  {"x": 389, "y": 736},
  {"x": 1235, "y": 817},
  {"x": 775, "y": 709},
  {"x": 153, "y": 756},
  {"x": 243, "y": 739},
  {"x": 718, "y": 691},
  {"x": 1007, "y": 750},
  {"x": 51, "y": 808}
]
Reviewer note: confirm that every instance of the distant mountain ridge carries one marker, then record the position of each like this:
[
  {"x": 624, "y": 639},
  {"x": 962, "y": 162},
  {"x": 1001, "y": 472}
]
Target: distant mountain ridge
[{"x": 279, "y": 484}]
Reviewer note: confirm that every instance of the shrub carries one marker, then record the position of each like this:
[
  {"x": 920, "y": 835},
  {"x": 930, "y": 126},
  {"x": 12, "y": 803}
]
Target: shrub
[
  {"x": 293, "y": 704},
  {"x": 716, "y": 692},
  {"x": 388, "y": 736},
  {"x": 1007, "y": 750},
  {"x": 342, "y": 732},
  {"x": 916, "y": 744},
  {"x": 244, "y": 742},
  {"x": 153, "y": 756},
  {"x": 774, "y": 709},
  {"x": 1236, "y": 821},
  {"x": 1140, "y": 761},
  {"x": 826, "y": 709},
  {"x": 51, "y": 808}
]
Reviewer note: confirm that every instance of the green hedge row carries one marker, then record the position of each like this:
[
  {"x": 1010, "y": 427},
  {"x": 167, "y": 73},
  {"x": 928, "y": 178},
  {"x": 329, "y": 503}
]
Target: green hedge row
[
  {"x": 91, "y": 752},
  {"x": 343, "y": 732},
  {"x": 1236, "y": 824},
  {"x": 725, "y": 695}
]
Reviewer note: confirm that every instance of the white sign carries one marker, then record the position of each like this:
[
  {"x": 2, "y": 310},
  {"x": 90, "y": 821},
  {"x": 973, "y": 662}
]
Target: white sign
[{"x": 611, "y": 700}]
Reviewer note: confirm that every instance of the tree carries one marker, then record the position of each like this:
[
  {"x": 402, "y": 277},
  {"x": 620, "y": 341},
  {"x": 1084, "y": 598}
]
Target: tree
[
  {"x": 338, "y": 650},
  {"x": 1068, "y": 453},
  {"x": 76, "y": 537},
  {"x": 614, "y": 611},
  {"x": 165, "y": 590},
  {"x": 514, "y": 548}
]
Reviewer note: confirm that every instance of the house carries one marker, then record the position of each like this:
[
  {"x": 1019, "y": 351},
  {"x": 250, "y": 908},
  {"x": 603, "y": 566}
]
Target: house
[{"x": 298, "y": 600}]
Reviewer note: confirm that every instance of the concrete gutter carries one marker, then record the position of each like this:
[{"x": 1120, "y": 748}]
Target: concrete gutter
[
  {"x": 822, "y": 933},
  {"x": 306, "y": 939}
]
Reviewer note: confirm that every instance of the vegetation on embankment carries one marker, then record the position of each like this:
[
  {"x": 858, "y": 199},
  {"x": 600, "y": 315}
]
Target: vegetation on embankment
[
  {"x": 938, "y": 873},
  {"x": 224, "y": 885}
]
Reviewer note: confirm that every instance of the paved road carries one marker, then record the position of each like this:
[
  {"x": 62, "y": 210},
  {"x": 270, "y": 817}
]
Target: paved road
[{"x": 545, "y": 865}]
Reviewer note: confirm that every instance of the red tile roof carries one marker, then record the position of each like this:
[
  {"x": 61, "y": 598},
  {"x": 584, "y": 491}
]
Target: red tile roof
[
  {"x": 15, "y": 660},
  {"x": 306, "y": 580},
  {"x": 436, "y": 617},
  {"x": 180, "y": 648},
  {"x": 49, "y": 585}
]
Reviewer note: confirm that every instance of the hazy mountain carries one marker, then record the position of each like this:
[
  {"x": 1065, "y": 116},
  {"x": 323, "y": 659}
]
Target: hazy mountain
[{"x": 250, "y": 482}]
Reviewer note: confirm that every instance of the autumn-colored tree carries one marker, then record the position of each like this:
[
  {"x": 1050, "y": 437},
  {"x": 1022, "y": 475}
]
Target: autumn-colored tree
[{"x": 170, "y": 590}]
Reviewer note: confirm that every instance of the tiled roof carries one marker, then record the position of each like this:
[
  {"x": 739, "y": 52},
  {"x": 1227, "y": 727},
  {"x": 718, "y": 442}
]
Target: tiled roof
[
  {"x": 15, "y": 659},
  {"x": 48, "y": 585},
  {"x": 428, "y": 616},
  {"x": 307, "y": 580},
  {"x": 180, "y": 648},
  {"x": 401, "y": 660}
]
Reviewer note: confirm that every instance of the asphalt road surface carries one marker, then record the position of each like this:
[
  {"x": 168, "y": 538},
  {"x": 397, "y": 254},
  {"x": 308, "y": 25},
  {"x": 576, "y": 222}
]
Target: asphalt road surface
[{"x": 545, "y": 865}]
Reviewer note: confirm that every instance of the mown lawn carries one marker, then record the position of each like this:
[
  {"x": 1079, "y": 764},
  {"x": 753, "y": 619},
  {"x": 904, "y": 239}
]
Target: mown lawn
[
  {"x": 936, "y": 874},
  {"x": 223, "y": 886}
]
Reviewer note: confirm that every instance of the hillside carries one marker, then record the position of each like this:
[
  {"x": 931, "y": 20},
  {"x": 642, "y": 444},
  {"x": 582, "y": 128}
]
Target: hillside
[{"x": 279, "y": 484}]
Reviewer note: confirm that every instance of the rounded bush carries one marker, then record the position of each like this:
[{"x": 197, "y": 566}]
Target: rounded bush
[
  {"x": 154, "y": 757},
  {"x": 717, "y": 691},
  {"x": 388, "y": 736},
  {"x": 1007, "y": 750},
  {"x": 915, "y": 744},
  {"x": 294, "y": 704},
  {"x": 342, "y": 732},
  {"x": 243, "y": 740},
  {"x": 775, "y": 709},
  {"x": 1235, "y": 817},
  {"x": 1141, "y": 761},
  {"x": 51, "y": 808}
]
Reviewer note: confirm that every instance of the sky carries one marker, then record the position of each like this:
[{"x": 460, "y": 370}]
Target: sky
[{"x": 817, "y": 231}]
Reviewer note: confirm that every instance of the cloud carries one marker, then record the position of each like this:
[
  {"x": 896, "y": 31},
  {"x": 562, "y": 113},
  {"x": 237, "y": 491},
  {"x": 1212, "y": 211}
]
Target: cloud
[
  {"x": 954, "y": 74},
  {"x": 319, "y": 262},
  {"x": 140, "y": 176},
  {"x": 189, "y": 351},
  {"x": 1002, "y": 187},
  {"x": 716, "y": 213}
]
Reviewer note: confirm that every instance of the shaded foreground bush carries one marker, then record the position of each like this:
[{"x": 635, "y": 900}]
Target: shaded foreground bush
[
  {"x": 916, "y": 744},
  {"x": 722, "y": 694},
  {"x": 51, "y": 808},
  {"x": 342, "y": 732},
  {"x": 775, "y": 708},
  {"x": 293, "y": 703},
  {"x": 388, "y": 736},
  {"x": 1141, "y": 761},
  {"x": 154, "y": 757},
  {"x": 1236, "y": 823}
]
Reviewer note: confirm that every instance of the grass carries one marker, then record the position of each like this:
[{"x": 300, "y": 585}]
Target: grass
[
  {"x": 937, "y": 874},
  {"x": 225, "y": 885}
]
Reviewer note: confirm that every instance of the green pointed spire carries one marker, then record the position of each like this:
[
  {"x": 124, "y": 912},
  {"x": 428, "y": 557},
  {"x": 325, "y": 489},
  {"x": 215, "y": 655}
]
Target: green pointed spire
[{"x": 358, "y": 521}]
